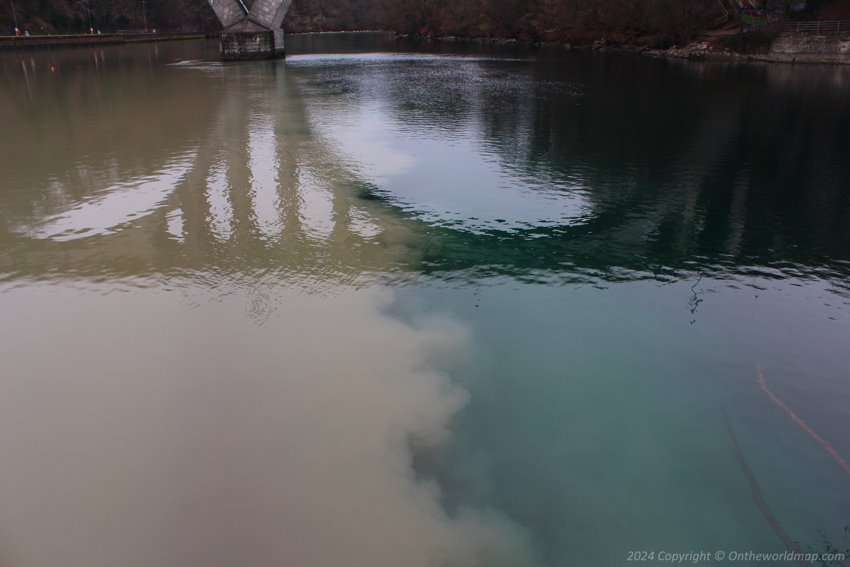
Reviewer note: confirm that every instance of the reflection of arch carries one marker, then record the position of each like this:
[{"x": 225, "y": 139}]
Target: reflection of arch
[
  {"x": 264, "y": 192},
  {"x": 643, "y": 219},
  {"x": 258, "y": 193}
]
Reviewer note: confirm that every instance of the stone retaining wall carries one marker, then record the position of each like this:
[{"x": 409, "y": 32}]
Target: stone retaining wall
[{"x": 812, "y": 47}]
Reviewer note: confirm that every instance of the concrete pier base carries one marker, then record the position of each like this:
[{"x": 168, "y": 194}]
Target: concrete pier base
[
  {"x": 249, "y": 46},
  {"x": 251, "y": 34}
]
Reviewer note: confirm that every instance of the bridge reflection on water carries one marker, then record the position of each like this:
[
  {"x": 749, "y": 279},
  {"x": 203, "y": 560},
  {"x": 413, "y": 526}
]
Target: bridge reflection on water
[
  {"x": 224, "y": 178},
  {"x": 544, "y": 167}
]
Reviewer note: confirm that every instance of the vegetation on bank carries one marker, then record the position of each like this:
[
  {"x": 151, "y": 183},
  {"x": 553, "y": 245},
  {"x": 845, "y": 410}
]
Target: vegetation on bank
[
  {"x": 575, "y": 21},
  {"x": 649, "y": 22},
  {"x": 79, "y": 16}
]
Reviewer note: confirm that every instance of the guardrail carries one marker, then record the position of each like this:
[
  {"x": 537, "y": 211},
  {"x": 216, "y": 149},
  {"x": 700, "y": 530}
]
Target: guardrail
[
  {"x": 13, "y": 43},
  {"x": 817, "y": 27},
  {"x": 159, "y": 31}
]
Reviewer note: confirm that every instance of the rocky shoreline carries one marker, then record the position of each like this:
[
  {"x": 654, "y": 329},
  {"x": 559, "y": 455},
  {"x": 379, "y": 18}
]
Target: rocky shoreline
[{"x": 786, "y": 47}]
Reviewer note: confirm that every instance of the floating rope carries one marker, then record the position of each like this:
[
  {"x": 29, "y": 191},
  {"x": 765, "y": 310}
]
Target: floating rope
[{"x": 826, "y": 445}]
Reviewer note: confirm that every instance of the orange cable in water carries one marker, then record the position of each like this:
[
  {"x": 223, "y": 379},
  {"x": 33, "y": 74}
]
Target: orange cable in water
[
  {"x": 758, "y": 496},
  {"x": 827, "y": 446}
]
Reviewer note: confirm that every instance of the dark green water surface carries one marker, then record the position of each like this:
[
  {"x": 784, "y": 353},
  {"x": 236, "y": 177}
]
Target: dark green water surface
[{"x": 383, "y": 305}]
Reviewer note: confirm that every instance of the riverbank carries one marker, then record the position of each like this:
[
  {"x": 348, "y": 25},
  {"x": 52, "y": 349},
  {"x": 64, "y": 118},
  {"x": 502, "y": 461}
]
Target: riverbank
[
  {"x": 832, "y": 47},
  {"x": 785, "y": 47},
  {"x": 12, "y": 43}
]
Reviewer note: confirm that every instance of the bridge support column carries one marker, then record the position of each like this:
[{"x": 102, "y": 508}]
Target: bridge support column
[
  {"x": 251, "y": 34},
  {"x": 248, "y": 46}
]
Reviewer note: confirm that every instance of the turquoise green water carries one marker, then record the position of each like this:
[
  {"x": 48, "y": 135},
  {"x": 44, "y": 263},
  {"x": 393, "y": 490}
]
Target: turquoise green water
[{"x": 383, "y": 304}]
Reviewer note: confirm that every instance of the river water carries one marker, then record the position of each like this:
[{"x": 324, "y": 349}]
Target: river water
[{"x": 382, "y": 304}]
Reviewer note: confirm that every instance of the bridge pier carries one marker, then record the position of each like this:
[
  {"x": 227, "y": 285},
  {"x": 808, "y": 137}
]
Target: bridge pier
[
  {"x": 241, "y": 44},
  {"x": 254, "y": 33}
]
